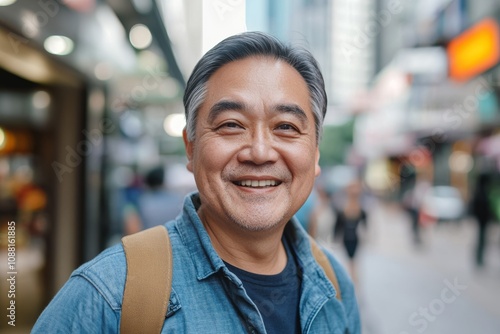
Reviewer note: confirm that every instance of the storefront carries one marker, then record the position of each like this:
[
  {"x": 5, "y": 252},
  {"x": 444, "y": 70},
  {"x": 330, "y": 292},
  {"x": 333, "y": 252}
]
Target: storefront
[
  {"x": 69, "y": 74},
  {"x": 42, "y": 111}
]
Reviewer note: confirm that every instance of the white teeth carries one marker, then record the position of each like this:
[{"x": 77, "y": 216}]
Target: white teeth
[{"x": 258, "y": 183}]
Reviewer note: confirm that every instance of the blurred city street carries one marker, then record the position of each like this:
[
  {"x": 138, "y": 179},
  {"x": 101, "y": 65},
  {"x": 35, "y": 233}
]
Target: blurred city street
[
  {"x": 433, "y": 288},
  {"x": 92, "y": 116}
]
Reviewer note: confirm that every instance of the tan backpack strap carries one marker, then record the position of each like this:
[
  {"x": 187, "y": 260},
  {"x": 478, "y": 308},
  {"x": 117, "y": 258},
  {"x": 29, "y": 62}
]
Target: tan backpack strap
[
  {"x": 149, "y": 281},
  {"x": 324, "y": 263}
]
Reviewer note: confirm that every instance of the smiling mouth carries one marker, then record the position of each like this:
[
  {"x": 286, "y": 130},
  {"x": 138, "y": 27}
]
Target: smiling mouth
[{"x": 257, "y": 183}]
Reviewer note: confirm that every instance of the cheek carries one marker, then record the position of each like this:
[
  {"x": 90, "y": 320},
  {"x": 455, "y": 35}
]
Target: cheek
[
  {"x": 304, "y": 160},
  {"x": 209, "y": 157}
]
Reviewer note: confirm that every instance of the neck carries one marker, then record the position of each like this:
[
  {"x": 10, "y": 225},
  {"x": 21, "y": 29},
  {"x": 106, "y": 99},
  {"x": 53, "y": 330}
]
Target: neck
[
  {"x": 259, "y": 252},
  {"x": 352, "y": 207}
]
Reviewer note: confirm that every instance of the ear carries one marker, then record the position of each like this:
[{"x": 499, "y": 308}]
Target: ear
[
  {"x": 317, "y": 168},
  {"x": 189, "y": 150}
]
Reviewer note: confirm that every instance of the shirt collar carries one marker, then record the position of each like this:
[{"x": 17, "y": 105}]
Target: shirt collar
[
  {"x": 196, "y": 239},
  {"x": 207, "y": 261}
]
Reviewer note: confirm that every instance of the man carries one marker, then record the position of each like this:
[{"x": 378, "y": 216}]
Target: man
[{"x": 241, "y": 263}]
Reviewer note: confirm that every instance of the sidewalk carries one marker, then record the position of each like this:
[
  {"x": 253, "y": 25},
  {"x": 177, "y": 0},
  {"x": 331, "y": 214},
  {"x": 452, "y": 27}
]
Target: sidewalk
[{"x": 403, "y": 289}]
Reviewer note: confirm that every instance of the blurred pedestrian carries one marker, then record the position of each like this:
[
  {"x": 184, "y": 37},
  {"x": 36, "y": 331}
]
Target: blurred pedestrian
[
  {"x": 351, "y": 219},
  {"x": 412, "y": 203},
  {"x": 323, "y": 217},
  {"x": 481, "y": 209},
  {"x": 155, "y": 205}
]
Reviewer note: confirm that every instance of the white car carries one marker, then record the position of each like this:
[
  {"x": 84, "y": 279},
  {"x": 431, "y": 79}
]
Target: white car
[{"x": 443, "y": 203}]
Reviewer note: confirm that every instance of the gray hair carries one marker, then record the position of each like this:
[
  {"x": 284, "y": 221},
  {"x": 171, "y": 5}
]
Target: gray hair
[{"x": 253, "y": 44}]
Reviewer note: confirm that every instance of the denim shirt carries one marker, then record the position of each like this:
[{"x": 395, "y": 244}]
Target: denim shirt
[{"x": 206, "y": 297}]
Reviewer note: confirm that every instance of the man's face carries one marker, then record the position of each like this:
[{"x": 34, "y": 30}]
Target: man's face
[{"x": 254, "y": 157}]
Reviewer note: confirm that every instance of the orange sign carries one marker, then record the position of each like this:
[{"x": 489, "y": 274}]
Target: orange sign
[{"x": 475, "y": 50}]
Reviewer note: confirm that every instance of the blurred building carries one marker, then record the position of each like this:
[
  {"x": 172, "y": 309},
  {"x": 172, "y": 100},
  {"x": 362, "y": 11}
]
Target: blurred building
[
  {"x": 341, "y": 34},
  {"x": 433, "y": 108},
  {"x": 306, "y": 23},
  {"x": 87, "y": 93}
]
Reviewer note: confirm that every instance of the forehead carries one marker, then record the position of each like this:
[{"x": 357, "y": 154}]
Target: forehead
[
  {"x": 263, "y": 77},
  {"x": 256, "y": 63}
]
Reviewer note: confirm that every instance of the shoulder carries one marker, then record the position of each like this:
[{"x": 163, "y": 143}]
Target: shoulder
[
  {"x": 340, "y": 216},
  {"x": 107, "y": 274},
  {"x": 90, "y": 301}
]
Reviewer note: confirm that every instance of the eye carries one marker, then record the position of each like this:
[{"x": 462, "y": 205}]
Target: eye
[
  {"x": 233, "y": 125},
  {"x": 287, "y": 127},
  {"x": 229, "y": 127}
]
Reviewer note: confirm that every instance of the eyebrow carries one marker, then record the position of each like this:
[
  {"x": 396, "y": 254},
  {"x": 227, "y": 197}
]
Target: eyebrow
[
  {"x": 293, "y": 109},
  {"x": 226, "y": 105},
  {"x": 222, "y": 106}
]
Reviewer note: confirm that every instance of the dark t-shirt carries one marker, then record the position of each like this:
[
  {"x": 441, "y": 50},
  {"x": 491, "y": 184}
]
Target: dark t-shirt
[
  {"x": 276, "y": 296},
  {"x": 347, "y": 227}
]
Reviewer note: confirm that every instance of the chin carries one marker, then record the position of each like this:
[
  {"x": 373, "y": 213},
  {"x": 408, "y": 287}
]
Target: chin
[{"x": 259, "y": 224}]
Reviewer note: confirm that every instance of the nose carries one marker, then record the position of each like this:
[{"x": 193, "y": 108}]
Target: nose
[{"x": 259, "y": 149}]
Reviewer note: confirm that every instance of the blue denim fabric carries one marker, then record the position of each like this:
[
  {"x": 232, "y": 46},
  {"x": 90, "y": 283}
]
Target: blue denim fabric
[{"x": 206, "y": 297}]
